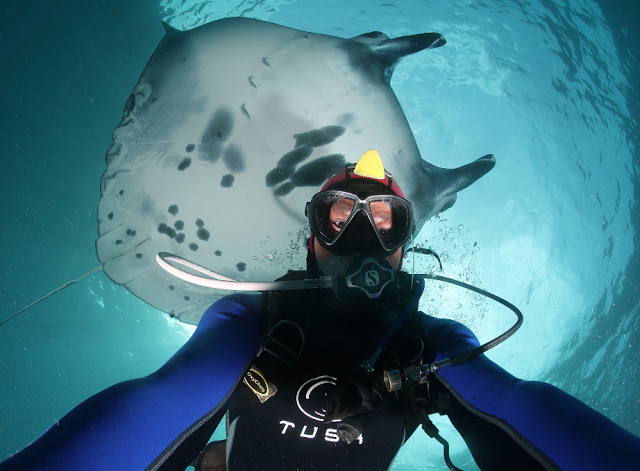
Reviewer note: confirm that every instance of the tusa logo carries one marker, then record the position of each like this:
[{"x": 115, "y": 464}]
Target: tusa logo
[
  {"x": 330, "y": 434},
  {"x": 258, "y": 384}
]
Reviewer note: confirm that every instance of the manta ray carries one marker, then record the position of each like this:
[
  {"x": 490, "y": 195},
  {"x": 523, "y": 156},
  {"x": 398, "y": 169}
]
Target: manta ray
[{"x": 230, "y": 130}]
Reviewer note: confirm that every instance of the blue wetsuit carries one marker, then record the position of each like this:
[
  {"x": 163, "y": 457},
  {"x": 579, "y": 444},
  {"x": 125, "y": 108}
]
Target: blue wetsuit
[{"x": 162, "y": 421}]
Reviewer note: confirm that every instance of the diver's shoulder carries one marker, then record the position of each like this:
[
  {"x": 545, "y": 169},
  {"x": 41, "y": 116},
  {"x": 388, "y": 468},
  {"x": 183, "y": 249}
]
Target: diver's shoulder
[
  {"x": 237, "y": 304},
  {"x": 437, "y": 327}
]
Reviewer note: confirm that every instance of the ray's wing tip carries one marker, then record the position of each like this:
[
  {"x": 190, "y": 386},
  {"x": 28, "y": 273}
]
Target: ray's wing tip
[
  {"x": 488, "y": 158},
  {"x": 438, "y": 40},
  {"x": 489, "y": 161}
]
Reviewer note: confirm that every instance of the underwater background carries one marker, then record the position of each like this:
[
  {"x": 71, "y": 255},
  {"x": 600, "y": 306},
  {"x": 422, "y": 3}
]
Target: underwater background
[{"x": 548, "y": 86}]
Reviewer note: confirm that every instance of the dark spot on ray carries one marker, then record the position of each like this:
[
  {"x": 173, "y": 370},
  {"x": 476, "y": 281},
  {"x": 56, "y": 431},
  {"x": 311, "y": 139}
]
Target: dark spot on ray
[
  {"x": 110, "y": 216},
  {"x": 244, "y": 111},
  {"x": 173, "y": 209},
  {"x": 285, "y": 189},
  {"x": 164, "y": 229},
  {"x": 112, "y": 152},
  {"x": 278, "y": 175},
  {"x": 187, "y": 298},
  {"x": 133, "y": 233},
  {"x": 203, "y": 234},
  {"x": 190, "y": 148},
  {"x": 199, "y": 223},
  {"x": 171, "y": 287},
  {"x": 118, "y": 242},
  {"x": 218, "y": 253},
  {"x": 121, "y": 192},
  {"x": 218, "y": 131},
  {"x": 318, "y": 171},
  {"x": 180, "y": 238},
  {"x": 295, "y": 157},
  {"x": 233, "y": 159},
  {"x": 265, "y": 62},
  {"x": 251, "y": 82},
  {"x": 113, "y": 175},
  {"x": 227, "y": 181},
  {"x": 138, "y": 255},
  {"x": 128, "y": 232},
  {"x": 193, "y": 246},
  {"x": 186, "y": 162},
  {"x": 241, "y": 266},
  {"x": 146, "y": 206},
  {"x": 179, "y": 225},
  {"x": 319, "y": 137},
  {"x": 130, "y": 104},
  {"x": 345, "y": 119}
]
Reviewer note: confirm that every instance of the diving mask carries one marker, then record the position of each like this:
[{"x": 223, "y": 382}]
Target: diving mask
[{"x": 343, "y": 223}]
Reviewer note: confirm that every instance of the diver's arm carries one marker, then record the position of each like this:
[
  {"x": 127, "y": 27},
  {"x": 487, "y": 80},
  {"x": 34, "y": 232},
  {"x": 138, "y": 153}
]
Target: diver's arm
[
  {"x": 138, "y": 424},
  {"x": 500, "y": 416}
]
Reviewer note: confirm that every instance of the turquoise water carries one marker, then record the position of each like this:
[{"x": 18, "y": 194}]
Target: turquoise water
[{"x": 547, "y": 86}]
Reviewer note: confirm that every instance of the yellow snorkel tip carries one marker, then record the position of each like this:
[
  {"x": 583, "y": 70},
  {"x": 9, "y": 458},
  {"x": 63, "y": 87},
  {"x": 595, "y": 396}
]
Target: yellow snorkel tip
[{"x": 370, "y": 165}]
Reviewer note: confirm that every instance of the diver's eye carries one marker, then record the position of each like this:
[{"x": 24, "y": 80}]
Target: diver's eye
[
  {"x": 382, "y": 217},
  {"x": 338, "y": 224},
  {"x": 339, "y": 214}
]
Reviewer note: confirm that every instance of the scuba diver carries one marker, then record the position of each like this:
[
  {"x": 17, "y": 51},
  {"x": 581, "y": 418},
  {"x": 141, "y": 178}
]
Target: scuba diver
[{"x": 333, "y": 378}]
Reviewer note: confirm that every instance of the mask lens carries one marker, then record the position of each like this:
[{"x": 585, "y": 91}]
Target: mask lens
[
  {"x": 331, "y": 213},
  {"x": 392, "y": 219}
]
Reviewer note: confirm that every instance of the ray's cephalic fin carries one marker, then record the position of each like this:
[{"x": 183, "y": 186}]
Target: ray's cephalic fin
[
  {"x": 451, "y": 181},
  {"x": 390, "y": 51}
]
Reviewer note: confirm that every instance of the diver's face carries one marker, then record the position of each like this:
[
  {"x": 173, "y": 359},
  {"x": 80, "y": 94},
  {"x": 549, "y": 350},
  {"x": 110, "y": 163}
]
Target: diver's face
[{"x": 338, "y": 215}]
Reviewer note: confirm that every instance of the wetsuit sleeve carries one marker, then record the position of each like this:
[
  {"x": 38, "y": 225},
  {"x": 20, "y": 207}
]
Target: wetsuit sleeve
[
  {"x": 509, "y": 423},
  {"x": 156, "y": 422}
]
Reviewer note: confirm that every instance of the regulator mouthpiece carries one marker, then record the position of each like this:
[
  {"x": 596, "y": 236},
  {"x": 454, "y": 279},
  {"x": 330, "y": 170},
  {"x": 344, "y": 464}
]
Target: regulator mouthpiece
[{"x": 366, "y": 280}]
